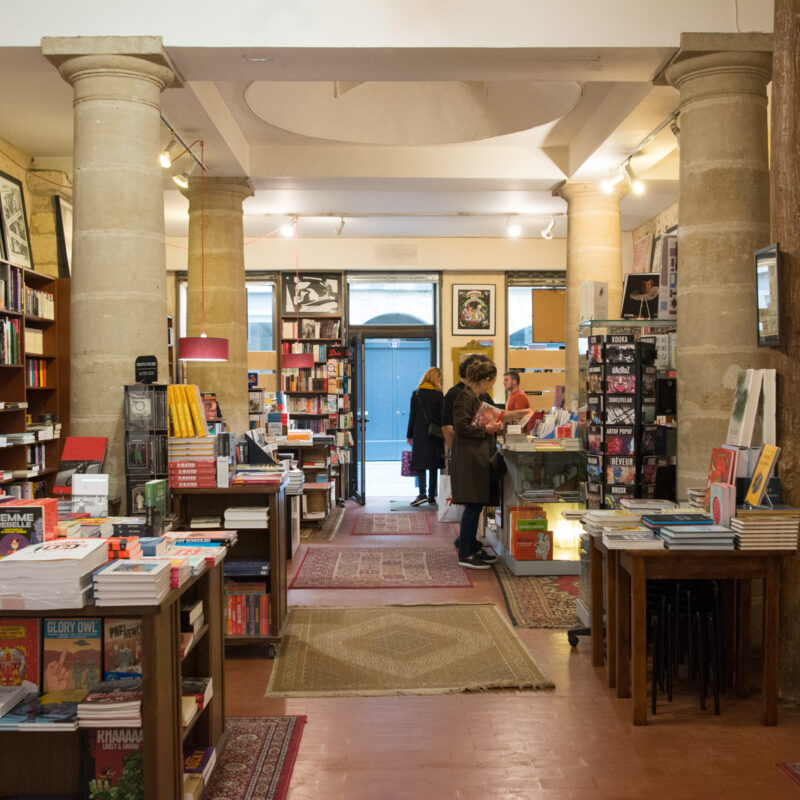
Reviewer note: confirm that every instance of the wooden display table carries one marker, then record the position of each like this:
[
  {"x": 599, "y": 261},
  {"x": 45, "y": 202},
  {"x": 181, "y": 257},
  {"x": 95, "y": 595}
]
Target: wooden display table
[{"x": 23, "y": 754}]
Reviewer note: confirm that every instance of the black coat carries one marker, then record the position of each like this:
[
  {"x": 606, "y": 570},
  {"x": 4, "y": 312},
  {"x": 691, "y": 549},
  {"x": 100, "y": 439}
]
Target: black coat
[
  {"x": 470, "y": 477},
  {"x": 427, "y": 452}
]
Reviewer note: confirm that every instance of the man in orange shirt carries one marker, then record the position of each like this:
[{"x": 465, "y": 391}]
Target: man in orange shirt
[{"x": 516, "y": 399}]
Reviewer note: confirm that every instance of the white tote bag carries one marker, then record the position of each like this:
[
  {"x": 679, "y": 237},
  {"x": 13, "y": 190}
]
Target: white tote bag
[{"x": 447, "y": 511}]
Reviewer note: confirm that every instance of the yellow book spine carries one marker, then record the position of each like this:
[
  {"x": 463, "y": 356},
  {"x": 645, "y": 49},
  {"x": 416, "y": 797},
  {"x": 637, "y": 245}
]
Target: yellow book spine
[
  {"x": 186, "y": 414},
  {"x": 195, "y": 407},
  {"x": 173, "y": 411}
]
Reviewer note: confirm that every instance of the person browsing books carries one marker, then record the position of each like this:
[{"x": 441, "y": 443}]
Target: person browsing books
[
  {"x": 516, "y": 399},
  {"x": 473, "y": 445},
  {"x": 427, "y": 449}
]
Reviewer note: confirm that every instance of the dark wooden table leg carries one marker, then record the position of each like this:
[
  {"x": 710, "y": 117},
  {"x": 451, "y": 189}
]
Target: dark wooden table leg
[
  {"x": 596, "y": 567},
  {"x": 728, "y": 630},
  {"x": 769, "y": 684},
  {"x": 623, "y": 627},
  {"x": 742, "y": 649},
  {"x": 612, "y": 573},
  {"x": 638, "y": 596}
]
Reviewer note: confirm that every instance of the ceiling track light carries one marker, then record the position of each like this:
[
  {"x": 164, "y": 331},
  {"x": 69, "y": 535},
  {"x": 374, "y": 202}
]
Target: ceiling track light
[
  {"x": 165, "y": 156},
  {"x": 676, "y": 131},
  {"x": 636, "y": 183},
  {"x": 182, "y": 178},
  {"x": 547, "y": 233},
  {"x": 609, "y": 183},
  {"x": 513, "y": 229},
  {"x": 288, "y": 230}
]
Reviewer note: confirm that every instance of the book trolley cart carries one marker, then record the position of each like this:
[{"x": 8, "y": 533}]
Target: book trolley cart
[
  {"x": 23, "y": 753},
  {"x": 253, "y": 545}
]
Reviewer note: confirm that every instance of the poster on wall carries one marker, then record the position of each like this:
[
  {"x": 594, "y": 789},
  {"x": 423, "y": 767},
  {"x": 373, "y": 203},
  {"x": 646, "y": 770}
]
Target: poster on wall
[
  {"x": 642, "y": 253},
  {"x": 15, "y": 224},
  {"x": 312, "y": 293},
  {"x": 473, "y": 309}
]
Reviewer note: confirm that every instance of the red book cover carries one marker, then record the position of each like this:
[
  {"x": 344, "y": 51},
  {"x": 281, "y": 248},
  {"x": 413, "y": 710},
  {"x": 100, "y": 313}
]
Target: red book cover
[
  {"x": 19, "y": 653},
  {"x": 114, "y": 762},
  {"x": 722, "y": 469},
  {"x": 82, "y": 454}
]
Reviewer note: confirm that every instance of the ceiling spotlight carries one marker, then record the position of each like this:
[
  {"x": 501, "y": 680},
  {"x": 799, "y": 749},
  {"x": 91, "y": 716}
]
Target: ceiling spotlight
[
  {"x": 636, "y": 184},
  {"x": 340, "y": 226},
  {"x": 547, "y": 233},
  {"x": 182, "y": 178},
  {"x": 609, "y": 183},
  {"x": 513, "y": 229},
  {"x": 288, "y": 229},
  {"x": 676, "y": 131},
  {"x": 165, "y": 156}
]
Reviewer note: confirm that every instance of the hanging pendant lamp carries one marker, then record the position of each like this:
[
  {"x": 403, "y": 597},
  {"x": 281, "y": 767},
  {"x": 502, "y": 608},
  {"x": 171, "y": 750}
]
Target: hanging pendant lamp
[{"x": 202, "y": 347}]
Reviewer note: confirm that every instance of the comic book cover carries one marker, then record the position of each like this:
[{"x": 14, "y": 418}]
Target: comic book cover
[
  {"x": 122, "y": 648},
  {"x": 19, "y": 653},
  {"x": 113, "y": 764},
  {"x": 71, "y": 654}
]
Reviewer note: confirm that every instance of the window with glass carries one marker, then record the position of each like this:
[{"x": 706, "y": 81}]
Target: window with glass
[{"x": 391, "y": 303}]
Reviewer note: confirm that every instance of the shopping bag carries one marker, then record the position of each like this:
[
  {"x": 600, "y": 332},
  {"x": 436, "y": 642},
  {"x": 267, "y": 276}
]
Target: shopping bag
[
  {"x": 447, "y": 511},
  {"x": 405, "y": 464}
]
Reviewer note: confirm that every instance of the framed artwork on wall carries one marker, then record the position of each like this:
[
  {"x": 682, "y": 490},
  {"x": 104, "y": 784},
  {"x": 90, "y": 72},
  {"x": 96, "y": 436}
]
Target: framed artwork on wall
[
  {"x": 470, "y": 348},
  {"x": 473, "y": 309},
  {"x": 312, "y": 293},
  {"x": 64, "y": 231},
  {"x": 15, "y": 222},
  {"x": 640, "y": 296}
]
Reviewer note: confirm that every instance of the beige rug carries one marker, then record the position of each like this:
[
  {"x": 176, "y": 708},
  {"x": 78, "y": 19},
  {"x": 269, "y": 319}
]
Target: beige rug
[
  {"x": 324, "y": 532},
  {"x": 398, "y": 650}
]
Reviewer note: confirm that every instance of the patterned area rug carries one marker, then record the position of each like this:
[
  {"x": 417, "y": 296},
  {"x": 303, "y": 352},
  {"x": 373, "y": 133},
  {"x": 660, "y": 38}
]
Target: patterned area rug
[
  {"x": 379, "y": 568},
  {"x": 258, "y": 759},
  {"x": 539, "y": 601},
  {"x": 324, "y": 532},
  {"x": 792, "y": 769},
  {"x": 391, "y": 525},
  {"x": 398, "y": 650}
]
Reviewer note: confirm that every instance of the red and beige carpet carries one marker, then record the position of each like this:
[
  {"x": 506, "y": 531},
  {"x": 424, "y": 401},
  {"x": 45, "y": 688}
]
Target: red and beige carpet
[
  {"x": 324, "y": 532},
  {"x": 391, "y": 525},
  {"x": 539, "y": 601},
  {"x": 258, "y": 759},
  {"x": 380, "y": 568},
  {"x": 400, "y": 650}
]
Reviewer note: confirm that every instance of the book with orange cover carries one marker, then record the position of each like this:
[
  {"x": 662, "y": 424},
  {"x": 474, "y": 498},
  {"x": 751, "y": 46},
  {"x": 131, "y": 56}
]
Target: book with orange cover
[
  {"x": 487, "y": 413},
  {"x": 722, "y": 469}
]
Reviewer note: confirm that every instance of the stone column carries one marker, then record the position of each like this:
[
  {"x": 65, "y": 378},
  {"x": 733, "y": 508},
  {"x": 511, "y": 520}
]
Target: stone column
[
  {"x": 723, "y": 217},
  {"x": 593, "y": 254},
  {"x": 43, "y": 186},
  {"x": 217, "y": 238},
  {"x": 118, "y": 307}
]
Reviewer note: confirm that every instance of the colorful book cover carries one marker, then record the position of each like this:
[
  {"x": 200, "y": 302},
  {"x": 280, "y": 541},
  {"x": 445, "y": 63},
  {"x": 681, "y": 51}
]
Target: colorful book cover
[
  {"x": 54, "y": 708},
  {"x": 763, "y": 472},
  {"x": 71, "y": 654},
  {"x": 155, "y": 494},
  {"x": 722, "y": 503},
  {"x": 81, "y": 454},
  {"x": 19, "y": 653},
  {"x": 122, "y": 648},
  {"x": 113, "y": 764},
  {"x": 19, "y": 527},
  {"x": 485, "y": 414},
  {"x": 722, "y": 469},
  {"x": 620, "y": 440},
  {"x": 620, "y": 469}
]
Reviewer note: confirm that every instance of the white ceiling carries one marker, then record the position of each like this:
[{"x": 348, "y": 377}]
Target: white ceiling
[{"x": 541, "y": 115}]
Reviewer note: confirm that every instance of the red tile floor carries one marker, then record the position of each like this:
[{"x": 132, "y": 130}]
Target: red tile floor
[{"x": 575, "y": 742}]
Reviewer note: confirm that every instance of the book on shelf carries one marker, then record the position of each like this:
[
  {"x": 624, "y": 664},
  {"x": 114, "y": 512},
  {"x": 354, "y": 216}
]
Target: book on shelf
[
  {"x": 10, "y": 696},
  {"x": 71, "y": 654},
  {"x": 762, "y": 474},
  {"x": 200, "y": 689},
  {"x": 189, "y": 709},
  {"x": 199, "y": 761},
  {"x": 81, "y": 454},
  {"x": 54, "y": 711},
  {"x": 722, "y": 502},
  {"x": 112, "y": 758},
  {"x": 19, "y": 654},
  {"x": 112, "y": 704},
  {"x": 122, "y": 648},
  {"x": 90, "y": 494},
  {"x": 745, "y": 407},
  {"x": 722, "y": 469}
]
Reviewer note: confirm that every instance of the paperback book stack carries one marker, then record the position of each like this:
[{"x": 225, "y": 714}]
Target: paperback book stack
[
  {"x": 696, "y": 537},
  {"x": 192, "y": 462},
  {"x": 637, "y": 537},
  {"x": 766, "y": 528},
  {"x": 210, "y": 555},
  {"x": 198, "y": 765},
  {"x": 242, "y": 517},
  {"x": 54, "y": 711},
  {"x": 124, "y": 547},
  {"x": 623, "y": 444},
  {"x": 297, "y": 479},
  {"x": 55, "y": 574},
  {"x": 134, "y": 582},
  {"x": 112, "y": 704},
  {"x": 596, "y": 521}
]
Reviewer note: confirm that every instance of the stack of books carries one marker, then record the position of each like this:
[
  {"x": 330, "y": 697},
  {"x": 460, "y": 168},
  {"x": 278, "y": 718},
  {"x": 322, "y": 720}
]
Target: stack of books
[
  {"x": 54, "y": 711},
  {"x": 201, "y": 690},
  {"x": 112, "y": 704},
  {"x": 696, "y": 537},
  {"x": 631, "y": 538},
  {"x": 247, "y": 517},
  {"x": 95, "y": 526},
  {"x": 205, "y": 523},
  {"x": 55, "y": 574},
  {"x": 199, "y": 472},
  {"x": 135, "y": 582},
  {"x": 124, "y": 547},
  {"x": 642, "y": 505},
  {"x": 129, "y": 526},
  {"x": 10, "y": 696},
  {"x": 154, "y": 545},
  {"x": 197, "y": 767},
  {"x": 297, "y": 479},
  {"x": 766, "y": 528},
  {"x": 594, "y": 522},
  {"x": 205, "y": 538}
]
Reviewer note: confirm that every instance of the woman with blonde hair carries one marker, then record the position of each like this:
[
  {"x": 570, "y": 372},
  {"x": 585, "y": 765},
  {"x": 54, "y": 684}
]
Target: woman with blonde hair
[{"x": 424, "y": 433}]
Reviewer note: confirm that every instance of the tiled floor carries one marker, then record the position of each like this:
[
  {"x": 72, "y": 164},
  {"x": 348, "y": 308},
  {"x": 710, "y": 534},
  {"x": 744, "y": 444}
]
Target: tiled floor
[{"x": 575, "y": 742}]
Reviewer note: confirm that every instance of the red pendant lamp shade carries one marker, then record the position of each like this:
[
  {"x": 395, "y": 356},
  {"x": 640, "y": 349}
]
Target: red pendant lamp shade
[{"x": 202, "y": 347}]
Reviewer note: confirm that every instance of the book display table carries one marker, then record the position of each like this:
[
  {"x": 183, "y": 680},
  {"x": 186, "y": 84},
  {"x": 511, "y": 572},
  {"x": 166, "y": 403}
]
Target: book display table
[
  {"x": 24, "y": 754},
  {"x": 626, "y": 573}
]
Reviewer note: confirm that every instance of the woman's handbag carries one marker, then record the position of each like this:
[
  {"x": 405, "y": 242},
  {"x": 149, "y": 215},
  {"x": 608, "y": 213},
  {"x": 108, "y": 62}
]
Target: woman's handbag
[
  {"x": 497, "y": 466},
  {"x": 405, "y": 465},
  {"x": 433, "y": 429}
]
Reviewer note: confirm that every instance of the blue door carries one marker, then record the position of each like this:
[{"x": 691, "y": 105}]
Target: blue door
[{"x": 393, "y": 369}]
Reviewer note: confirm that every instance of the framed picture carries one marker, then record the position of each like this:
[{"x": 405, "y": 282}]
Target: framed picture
[
  {"x": 768, "y": 264},
  {"x": 312, "y": 293},
  {"x": 64, "y": 232},
  {"x": 473, "y": 309},
  {"x": 470, "y": 348},
  {"x": 640, "y": 296},
  {"x": 15, "y": 222}
]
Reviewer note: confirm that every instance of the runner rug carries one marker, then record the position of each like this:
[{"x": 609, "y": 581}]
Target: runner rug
[
  {"x": 539, "y": 601},
  {"x": 399, "y": 650},
  {"x": 391, "y": 525},
  {"x": 258, "y": 759},
  {"x": 324, "y": 532},
  {"x": 379, "y": 568}
]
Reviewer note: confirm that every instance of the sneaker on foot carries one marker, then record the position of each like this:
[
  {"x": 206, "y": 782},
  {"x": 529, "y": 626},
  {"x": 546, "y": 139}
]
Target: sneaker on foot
[
  {"x": 456, "y": 541},
  {"x": 419, "y": 500},
  {"x": 473, "y": 562},
  {"x": 485, "y": 556},
  {"x": 431, "y": 501}
]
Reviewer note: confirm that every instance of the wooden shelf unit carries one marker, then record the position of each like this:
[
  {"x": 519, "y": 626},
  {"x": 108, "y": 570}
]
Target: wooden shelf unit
[
  {"x": 53, "y": 397},
  {"x": 252, "y": 543},
  {"x": 162, "y": 724}
]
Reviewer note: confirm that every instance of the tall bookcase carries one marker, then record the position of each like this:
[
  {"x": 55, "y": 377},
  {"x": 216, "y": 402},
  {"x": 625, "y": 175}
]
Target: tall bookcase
[{"x": 34, "y": 376}]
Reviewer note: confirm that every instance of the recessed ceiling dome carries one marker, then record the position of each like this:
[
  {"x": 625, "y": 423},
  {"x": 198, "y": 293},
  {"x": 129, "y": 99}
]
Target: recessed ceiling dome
[{"x": 410, "y": 113}]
